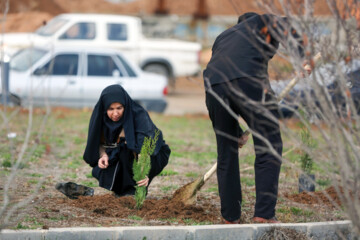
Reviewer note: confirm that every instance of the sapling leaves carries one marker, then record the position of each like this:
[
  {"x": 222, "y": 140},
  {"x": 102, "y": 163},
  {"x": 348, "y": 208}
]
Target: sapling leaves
[{"x": 142, "y": 166}]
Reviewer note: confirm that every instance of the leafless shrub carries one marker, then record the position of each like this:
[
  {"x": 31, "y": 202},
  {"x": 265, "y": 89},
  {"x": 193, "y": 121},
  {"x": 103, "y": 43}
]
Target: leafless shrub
[
  {"x": 328, "y": 97},
  {"x": 21, "y": 151},
  {"x": 278, "y": 233},
  {"x": 325, "y": 100}
]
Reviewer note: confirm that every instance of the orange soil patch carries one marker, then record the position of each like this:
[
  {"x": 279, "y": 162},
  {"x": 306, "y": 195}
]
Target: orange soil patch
[
  {"x": 328, "y": 197},
  {"x": 109, "y": 206}
]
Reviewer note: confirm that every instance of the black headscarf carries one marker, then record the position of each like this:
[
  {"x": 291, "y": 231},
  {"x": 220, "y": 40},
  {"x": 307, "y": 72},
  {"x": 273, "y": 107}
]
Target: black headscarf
[{"x": 135, "y": 121}]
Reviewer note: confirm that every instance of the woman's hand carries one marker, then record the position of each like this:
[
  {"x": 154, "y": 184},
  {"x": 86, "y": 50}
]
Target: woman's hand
[
  {"x": 143, "y": 182},
  {"x": 103, "y": 161}
]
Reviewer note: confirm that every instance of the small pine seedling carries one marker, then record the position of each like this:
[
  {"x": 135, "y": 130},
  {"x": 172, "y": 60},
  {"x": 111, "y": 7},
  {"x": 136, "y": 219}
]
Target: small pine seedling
[
  {"x": 142, "y": 165},
  {"x": 305, "y": 158}
]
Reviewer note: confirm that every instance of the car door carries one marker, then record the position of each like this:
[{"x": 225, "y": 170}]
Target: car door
[
  {"x": 60, "y": 80},
  {"x": 102, "y": 70}
]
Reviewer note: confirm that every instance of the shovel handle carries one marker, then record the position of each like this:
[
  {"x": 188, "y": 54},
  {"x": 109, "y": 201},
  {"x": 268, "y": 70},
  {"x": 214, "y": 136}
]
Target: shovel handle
[{"x": 209, "y": 173}]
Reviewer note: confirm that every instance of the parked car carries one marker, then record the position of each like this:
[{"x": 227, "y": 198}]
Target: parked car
[
  {"x": 75, "y": 77},
  {"x": 169, "y": 57},
  {"x": 329, "y": 77}
]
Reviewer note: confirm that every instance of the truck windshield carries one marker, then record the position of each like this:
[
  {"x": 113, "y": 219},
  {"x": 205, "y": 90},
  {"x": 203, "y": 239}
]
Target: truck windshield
[
  {"x": 24, "y": 59},
  {"x": 53, "y": 26}
]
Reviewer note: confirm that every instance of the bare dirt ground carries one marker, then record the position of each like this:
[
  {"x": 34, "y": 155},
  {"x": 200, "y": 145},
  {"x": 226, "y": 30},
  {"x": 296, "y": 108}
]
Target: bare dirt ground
[{"x": 51, "y": 209}]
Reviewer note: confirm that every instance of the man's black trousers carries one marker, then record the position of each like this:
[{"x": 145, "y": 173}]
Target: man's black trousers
[{"x": 247, "y": 99}]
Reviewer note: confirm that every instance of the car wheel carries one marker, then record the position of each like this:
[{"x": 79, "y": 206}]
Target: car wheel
[
  {"x": 141, "y": 104},
  {"x": 12, "y": 101},
  {"x": 162, "y": 70}
]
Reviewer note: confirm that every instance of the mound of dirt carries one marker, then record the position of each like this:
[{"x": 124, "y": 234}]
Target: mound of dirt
[
  {"x": 49, "y": 6},
  {"x": 26, "y": 21},
  {"x": 187, "y": 7},
  {"x": 31, "y": 12},
  {"x": 328, "y": 197},
  {"x": 152, "y": 209}
]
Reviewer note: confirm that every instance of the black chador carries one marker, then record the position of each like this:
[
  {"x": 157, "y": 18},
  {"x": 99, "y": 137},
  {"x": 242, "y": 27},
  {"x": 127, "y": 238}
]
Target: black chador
[{"x": 122, "y": 141}]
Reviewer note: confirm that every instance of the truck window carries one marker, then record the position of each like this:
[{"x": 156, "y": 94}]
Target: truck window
[
  {"x": 53, "y": 26},
  {"x": 130, "y": 71},
  {"x": 82, "y": 30},
  {"x": 62, "y": 64},
  {"x": 117, "y": 31},
  {"x": 100, "y": 65}
]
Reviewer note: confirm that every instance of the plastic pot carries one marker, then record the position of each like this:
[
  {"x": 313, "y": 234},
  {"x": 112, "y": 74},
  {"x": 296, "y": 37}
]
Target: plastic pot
[{"x": 306, "y": 182}]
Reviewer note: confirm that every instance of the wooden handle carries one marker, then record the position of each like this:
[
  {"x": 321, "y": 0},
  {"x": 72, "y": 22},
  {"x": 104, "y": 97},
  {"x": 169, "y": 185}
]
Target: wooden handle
[
  {"x": 210, "y": 172},
  {"x": 246, "y": 133}
]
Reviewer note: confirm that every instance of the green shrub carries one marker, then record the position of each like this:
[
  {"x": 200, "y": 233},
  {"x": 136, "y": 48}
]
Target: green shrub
[{"x": 6, "y": 163}]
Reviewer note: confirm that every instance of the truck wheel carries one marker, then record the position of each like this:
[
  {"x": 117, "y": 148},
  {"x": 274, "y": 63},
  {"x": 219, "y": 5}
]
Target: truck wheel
[
  {"x": 162, "y": 70},
  {"x": 12, "y": 101}
]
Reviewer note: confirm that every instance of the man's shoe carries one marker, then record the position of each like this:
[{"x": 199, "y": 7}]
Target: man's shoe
[
  {"x": 232, "y": 222},
  {"x": 73, "y": 190},
  {"x": 264, "y": 220}
]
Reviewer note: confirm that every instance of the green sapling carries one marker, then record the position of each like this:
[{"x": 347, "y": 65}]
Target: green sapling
[{"x": 142, "y": 166}]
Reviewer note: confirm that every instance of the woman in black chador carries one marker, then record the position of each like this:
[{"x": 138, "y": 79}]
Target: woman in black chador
[{"x": 117, "y": 129}]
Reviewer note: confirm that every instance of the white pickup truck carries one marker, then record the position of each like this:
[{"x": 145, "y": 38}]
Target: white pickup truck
[{"x": 169, "y": 57}]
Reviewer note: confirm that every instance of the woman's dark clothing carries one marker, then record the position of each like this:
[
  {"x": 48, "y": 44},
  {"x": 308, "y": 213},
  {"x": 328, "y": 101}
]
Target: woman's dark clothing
[
  {"x": 237, "y": 74},
  {"x": 137, "y": 125},
  {"x": 118, "y": 177}
]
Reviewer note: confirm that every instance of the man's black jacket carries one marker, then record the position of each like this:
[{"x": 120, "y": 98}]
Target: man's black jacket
[{"x": 245, "y": 49}]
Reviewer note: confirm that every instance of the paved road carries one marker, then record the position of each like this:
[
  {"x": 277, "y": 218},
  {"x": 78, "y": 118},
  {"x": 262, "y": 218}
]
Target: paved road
[
  {"x": 181, "y": 103},
  {"x": 187, "y": 98}
]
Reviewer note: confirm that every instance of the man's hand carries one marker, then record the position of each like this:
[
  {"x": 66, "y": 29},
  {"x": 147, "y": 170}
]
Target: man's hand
[
  {"x": 243, "y": 140},
  {"x": 307, "y": 68},
  {"x": 143, "y": 182},
  {"x": 103, "y": 161}
]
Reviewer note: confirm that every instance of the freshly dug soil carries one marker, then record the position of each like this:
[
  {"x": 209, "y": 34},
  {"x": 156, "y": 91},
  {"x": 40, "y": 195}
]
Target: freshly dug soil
[
  {"x": 328, "y": 197},
  {"x": 108, "y": 205}
]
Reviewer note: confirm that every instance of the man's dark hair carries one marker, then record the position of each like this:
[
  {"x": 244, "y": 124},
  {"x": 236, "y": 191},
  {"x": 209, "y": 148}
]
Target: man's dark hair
[{"x": 246, "y": 16}]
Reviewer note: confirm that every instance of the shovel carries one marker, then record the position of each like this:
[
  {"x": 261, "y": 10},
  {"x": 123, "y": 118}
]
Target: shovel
[{"x": 187, "y": 193}]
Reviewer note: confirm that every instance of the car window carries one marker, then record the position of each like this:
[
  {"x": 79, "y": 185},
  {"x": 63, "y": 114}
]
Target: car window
[
  {"x": 101, "y": 65},
  {"x": 24, "y": 59},
  {"x": 62, "y": 64},
  {"x": 128, "y": 68},
  {"x": 53, "y": 26},
  {"x": 117, "y": 31},
  {"x": 82, "y": 30}
]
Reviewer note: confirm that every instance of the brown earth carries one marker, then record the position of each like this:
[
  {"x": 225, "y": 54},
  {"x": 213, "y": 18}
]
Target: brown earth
[
  {"x": 152, "y": 209},
  {"x": 28, "y": 15},
  {"x": 328, "y": 197},
  {"x": 107, "y": 210},
  {"x": 186, "y": 7}
]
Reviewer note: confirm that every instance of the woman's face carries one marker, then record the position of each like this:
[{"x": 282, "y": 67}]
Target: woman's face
[{"x": 115, "y": 111}]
